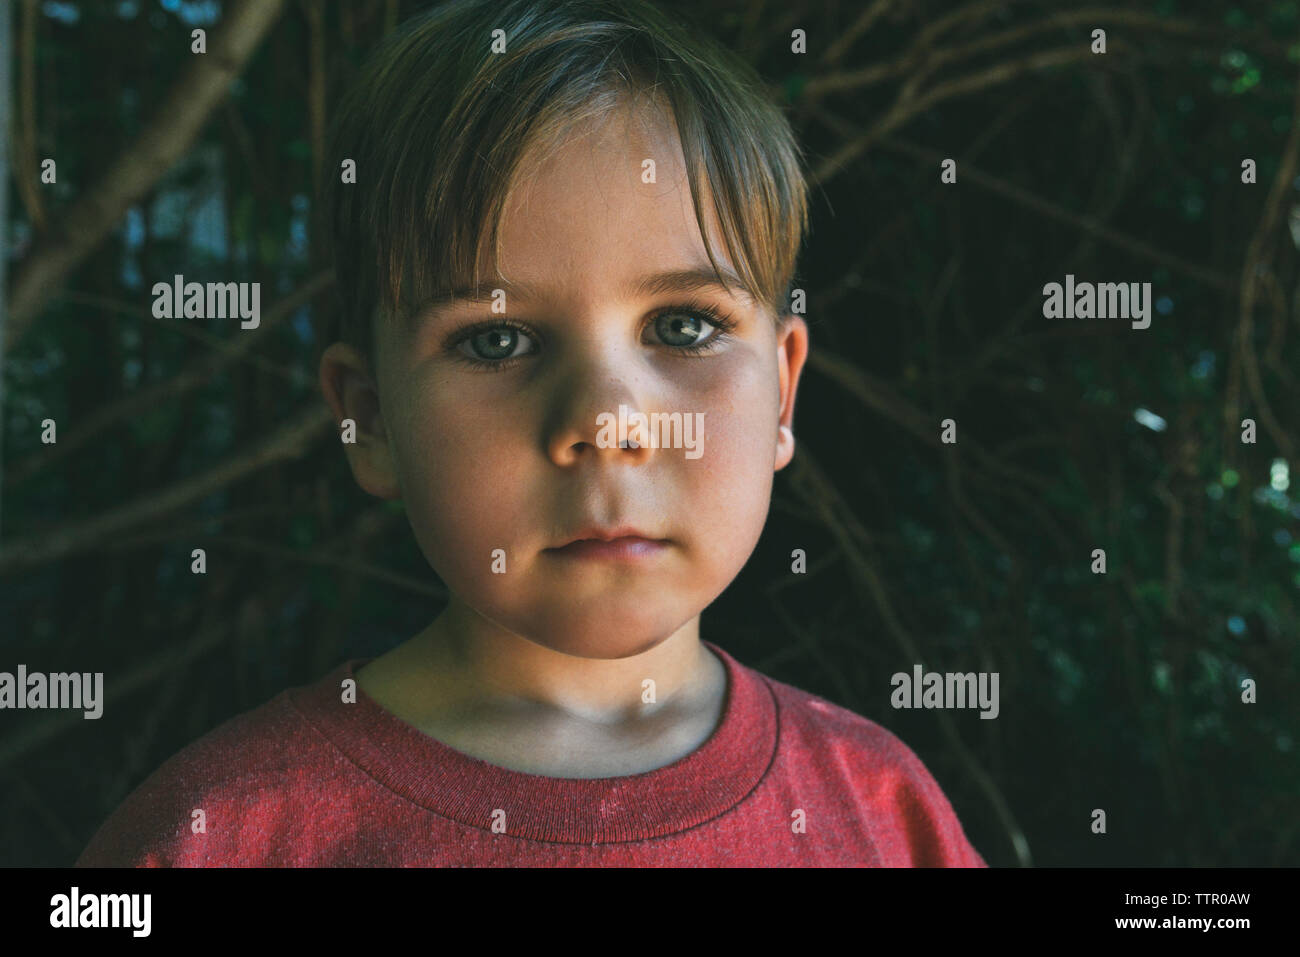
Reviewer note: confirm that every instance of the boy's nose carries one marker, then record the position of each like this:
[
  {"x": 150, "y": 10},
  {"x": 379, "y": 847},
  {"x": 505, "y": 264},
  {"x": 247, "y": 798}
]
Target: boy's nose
[{"x": 585, "y": 419}]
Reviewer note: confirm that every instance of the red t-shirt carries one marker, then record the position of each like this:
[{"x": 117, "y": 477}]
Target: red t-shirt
[{"x": 786, "y": 779}]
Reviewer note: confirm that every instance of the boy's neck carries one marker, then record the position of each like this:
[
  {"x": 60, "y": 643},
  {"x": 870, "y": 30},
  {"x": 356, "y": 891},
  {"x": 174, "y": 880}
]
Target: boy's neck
[
  {"x": 514, "y": 703},
  {"x": 488, "y": 665}
]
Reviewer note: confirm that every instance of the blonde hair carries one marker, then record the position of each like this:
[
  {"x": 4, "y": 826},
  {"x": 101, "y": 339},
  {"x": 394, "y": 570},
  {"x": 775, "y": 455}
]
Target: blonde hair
[{"x": 439, "y": 126}]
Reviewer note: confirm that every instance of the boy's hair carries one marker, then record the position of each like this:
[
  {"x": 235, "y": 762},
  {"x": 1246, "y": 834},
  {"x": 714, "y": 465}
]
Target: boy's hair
[{"x": 438, "y": 125}]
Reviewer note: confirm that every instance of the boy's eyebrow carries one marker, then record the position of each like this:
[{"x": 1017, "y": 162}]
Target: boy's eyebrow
[{"x": 691, "y": 279}]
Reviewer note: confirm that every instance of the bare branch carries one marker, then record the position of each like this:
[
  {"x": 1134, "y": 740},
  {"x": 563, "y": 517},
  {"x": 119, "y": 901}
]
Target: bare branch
[
  {"x": 921, "y": 57},
  {"x": 879, "y": 397},
  {"x": 835, "y": 52},
  {"x": 314, "y": 556},
  {"x": 26, "y": 163},
  {"x": 316, "y": 87},
  {"x": 157, "y": 667},
  {"x": 289, "y": 442},
  {"x": 193, "y": 376},
  {"x": 161, "y": 664},
  {"x": 1258, "y": 261},
  {"x": 962, "y": 17},
  {"x": 1089, "y": 224},
  {"x": 905, "y": 108},
  {"x": 160, "y": 144}
]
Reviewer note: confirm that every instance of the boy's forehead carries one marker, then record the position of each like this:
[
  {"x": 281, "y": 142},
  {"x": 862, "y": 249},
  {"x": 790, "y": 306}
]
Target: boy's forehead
[
  {"x": 605, "y": 203},
  {"x": 644, "y": 127},
  {"x": 588, "y": 220},
  {"x": 598, "y": 175},
  {"x": 692, "y": 277}
]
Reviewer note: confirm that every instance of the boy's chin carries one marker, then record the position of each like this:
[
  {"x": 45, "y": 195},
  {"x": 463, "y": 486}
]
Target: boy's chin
[{"x": 614, "y": 636}]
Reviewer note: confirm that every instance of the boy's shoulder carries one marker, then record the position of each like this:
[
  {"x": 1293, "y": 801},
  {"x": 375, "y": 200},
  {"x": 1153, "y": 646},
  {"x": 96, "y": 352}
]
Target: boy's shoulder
[
  {"x": 888, "y": 784},
  {"x": 217, "y": 795},
  {"x": 815, "y": 722}
]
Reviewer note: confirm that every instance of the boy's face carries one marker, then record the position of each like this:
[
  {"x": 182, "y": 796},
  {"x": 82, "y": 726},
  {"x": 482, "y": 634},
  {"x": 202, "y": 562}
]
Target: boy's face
[{"x": 510, "y": 458}]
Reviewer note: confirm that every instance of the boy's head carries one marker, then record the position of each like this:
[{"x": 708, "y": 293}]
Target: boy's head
[{"x": 585, "y": 147}]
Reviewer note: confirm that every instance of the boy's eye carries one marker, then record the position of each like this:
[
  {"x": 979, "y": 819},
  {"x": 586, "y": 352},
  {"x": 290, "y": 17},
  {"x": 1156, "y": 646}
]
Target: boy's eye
[
  {"x": 682, "y": 329},
  {"x": 495, "y": 344},
  {"x": 691, "y": 329}
]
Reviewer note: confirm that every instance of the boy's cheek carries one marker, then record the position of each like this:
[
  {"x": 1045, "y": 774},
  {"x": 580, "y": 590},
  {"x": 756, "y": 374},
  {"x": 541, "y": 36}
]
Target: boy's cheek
[
  {"x": 745, "y": 401},
  {"x": 469, "y": 557},
  {"x": 718, "y": 380}
]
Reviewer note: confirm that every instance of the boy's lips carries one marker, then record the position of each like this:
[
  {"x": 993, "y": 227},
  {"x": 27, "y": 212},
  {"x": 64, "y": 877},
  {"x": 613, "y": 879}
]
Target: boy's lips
[
  {"x": 595, "y": 534},
  {"x": 626, "y": 548},
  {"x": 624, "y": 543}
]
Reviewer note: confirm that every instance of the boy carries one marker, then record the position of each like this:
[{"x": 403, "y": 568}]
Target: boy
[{"x": 522, "y": 257}]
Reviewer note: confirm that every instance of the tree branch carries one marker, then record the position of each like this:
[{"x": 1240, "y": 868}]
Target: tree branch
[
  {"x": 879, "y": 397},
  {"x": 906, "y": 107},
  {"x": 26, "y": 163},
  {"x": 160, "y": 144},
  {"x": 1258, "y": 261},
  {"x": 835, "y": 52},
  {"x": 1088, "y": 224},
  {"x": 194, "y": 376},
  {"x": 290, "y": 441},
  {"x": 921, "y": 56}
]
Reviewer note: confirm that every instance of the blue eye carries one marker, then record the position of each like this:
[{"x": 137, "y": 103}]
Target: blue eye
[
  {"x": 494, "y": 343},
  {"x": 681, "y": 327},
  {"x": 684, "y": 329}
]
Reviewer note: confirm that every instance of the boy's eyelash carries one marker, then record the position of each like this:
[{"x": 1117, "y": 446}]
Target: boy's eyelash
[
  {"x": 490, "y": 365},
  {"x": 723, "y": 323}
]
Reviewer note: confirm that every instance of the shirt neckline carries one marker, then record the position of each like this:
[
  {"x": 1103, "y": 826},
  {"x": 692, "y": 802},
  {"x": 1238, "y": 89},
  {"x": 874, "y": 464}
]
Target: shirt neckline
[{"x": 696, "y": 788}]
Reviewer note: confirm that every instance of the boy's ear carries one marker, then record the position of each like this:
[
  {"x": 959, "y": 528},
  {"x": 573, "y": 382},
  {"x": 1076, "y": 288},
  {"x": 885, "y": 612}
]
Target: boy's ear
[
  {"x": 350, "y": 388},
  {"x": 791, "y": 351}
]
